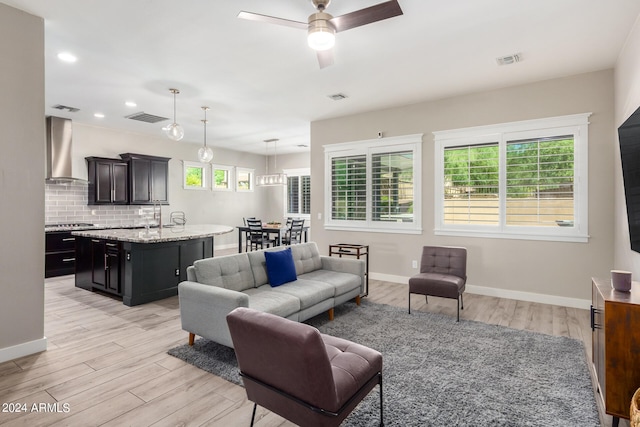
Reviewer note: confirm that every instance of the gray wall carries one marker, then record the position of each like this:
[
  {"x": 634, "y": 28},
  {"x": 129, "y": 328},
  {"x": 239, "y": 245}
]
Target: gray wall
[
  {"x": 516, "y": 268},
  {"x": 627, "y": 96},
  {"x": 21, "y": 184}
]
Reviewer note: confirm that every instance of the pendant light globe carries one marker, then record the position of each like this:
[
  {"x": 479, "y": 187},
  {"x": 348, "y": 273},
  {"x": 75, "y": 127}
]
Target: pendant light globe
[
  {"x": 174, "y": 130},
  {"x": 205, "y": 154}
]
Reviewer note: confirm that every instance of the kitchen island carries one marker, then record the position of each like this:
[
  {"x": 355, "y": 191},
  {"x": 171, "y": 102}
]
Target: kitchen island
[{"x": 141, "y": 265}]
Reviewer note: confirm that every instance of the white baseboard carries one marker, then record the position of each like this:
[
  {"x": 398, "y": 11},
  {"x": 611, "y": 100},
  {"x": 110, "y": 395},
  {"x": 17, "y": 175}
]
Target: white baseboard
[
  {"x": 23, "y": 349},
  {"x": 502, "y": 293}
]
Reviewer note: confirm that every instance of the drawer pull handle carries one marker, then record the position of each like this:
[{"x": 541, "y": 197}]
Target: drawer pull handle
[
  {"x": 113, "y": 245},
  {"x": 69, "y": 239},
  {"x": 68, "y": 259}
]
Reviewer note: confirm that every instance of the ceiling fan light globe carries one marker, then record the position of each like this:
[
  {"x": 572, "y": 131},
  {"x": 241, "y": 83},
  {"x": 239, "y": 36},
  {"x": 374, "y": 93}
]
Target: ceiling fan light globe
[
  {"x": 321, "y": 38},
  {"x": 205, "y": 154},
  {"x": 174, "y": 131}
]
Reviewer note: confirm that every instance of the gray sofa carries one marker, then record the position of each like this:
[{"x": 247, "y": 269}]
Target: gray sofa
[{"x": 216, "y": 286}]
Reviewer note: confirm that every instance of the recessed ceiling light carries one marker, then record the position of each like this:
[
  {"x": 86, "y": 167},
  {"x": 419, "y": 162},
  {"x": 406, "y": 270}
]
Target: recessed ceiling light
[
  {"x": 130, "y": 104},
  {"x": 99, "y": 115},
  {"x": 67, "y": 57}
]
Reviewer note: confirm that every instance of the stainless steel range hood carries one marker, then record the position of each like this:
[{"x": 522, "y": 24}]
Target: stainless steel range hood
[{"x": 59, "y": 143}]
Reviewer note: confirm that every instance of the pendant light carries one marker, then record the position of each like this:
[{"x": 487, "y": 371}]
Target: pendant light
[
  {"x": 174, "y": 130},
  {"x": 205, "y": 154},
  {"x": 267, "y": 179}
]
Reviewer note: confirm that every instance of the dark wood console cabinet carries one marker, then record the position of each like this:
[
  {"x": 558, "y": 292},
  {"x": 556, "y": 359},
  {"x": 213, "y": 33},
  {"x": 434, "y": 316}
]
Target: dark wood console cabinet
[{"x": 615, "y": 325}]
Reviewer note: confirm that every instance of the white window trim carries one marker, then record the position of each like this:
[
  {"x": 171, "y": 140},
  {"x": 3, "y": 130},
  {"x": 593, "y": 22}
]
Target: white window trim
[
  {"x": 368, "y": 147},
  {"x": 294, "y": 172},
  {"x": 576, "y": 124},
  {"x": 252, "y": 184},
  {"x": 230, "y": 175},
  {"x": 205, "y": 175}
]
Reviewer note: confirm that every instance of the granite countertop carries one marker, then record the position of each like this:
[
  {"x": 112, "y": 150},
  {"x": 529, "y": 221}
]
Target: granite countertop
[{"x": 156, "y": 235}]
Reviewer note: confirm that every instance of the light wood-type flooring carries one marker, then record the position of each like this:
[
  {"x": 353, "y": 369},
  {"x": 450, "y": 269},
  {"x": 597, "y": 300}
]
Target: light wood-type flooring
[{"x": 106, "y": 363}]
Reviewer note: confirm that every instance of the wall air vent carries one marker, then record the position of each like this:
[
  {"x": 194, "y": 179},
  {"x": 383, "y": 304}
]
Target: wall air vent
[
  {"x": 509, "y": 59},
  {"x": 145, "y": 117},
  {"x": 64, "y": 107}
]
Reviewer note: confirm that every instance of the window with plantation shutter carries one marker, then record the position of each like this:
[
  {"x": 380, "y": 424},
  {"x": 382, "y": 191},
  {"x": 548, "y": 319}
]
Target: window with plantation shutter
[
  {"x": 374, "y": 185},
  {"x": 523, "y": 180},
  {"x": 298, "y": 193},
  {"x": 349, "y": 188}
]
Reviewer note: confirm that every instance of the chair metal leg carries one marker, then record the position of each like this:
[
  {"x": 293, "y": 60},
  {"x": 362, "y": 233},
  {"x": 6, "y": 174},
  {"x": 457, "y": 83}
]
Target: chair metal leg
[
  {"x": 253, "y": 416},
  {"x": 409, "y": 302},
  {"x": 381, "y": 406},
  {"x": 461, "y": 302},
  {"x": 458, "y": 309}
]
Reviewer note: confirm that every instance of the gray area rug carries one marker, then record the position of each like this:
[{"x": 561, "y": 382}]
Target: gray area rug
[{"x": 437, "y": 372}]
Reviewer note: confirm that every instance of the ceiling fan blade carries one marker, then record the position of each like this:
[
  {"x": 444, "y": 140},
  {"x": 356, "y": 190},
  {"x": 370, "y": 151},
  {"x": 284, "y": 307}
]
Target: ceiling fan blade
[
  {"x": 368, "y": 15},
  {"x": 272, "y": 20},
  {"x": 325, "y": 58}
]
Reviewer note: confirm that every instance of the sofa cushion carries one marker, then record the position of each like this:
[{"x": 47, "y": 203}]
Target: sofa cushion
[
  {"x": 309, "y": 292},
  {"x": 280, "y": 267},
  {"x": 341, "y": 282},
  {"x": 306, "y": 257},
  {"x": 266, "y": 299},
  {"x": 229, "y": 272}
]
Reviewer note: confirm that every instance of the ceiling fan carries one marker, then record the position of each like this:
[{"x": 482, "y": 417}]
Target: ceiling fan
[{"x": 321, "y": 26}]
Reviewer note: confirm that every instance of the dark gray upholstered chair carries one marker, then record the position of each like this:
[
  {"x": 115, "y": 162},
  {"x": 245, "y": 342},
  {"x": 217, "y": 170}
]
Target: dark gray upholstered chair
[
  {"x": 443, "y": 273},
  {"x": 290, "y": 368}
]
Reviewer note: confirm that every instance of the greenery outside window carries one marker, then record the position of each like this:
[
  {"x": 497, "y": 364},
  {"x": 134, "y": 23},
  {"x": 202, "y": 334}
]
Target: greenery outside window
[
  {"x": 244, "y": 179},
  {"x": 194, "y": 175},
  {"x": 374, "y": 185},
  {"x": 222, "y": 178},
  {"x": 297, "y": 201},
  {"x": 525, "y": 180}
]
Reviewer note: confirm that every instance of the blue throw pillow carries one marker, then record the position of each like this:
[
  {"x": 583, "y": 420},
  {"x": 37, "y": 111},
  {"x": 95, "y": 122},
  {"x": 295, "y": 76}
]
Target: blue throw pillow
[{"x": 280, "y": 267}]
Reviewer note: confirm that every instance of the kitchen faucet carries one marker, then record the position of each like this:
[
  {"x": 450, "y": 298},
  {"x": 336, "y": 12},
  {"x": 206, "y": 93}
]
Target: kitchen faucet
[{"x": 157, "y": 215}]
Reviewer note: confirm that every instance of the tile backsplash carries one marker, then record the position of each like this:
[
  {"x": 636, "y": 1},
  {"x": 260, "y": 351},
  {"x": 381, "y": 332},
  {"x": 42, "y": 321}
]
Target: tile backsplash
[{"x": 67, "y": 203}]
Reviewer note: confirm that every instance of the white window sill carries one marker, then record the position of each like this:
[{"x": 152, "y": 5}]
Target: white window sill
[
  {"x": 574, "y": 238},
  {"x": 373, "y": 230}
]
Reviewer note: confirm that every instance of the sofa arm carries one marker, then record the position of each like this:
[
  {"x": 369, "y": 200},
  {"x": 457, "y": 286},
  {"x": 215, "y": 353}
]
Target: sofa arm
[
  {"x": 204, "y": 309},
  {"x": 345, "y": 265}
]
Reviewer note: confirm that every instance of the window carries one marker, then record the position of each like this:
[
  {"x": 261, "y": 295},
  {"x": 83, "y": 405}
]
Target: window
[
  {"x": 374, "y": 185},
  {"x": 222, "y": 178},
  {"x": 298, "y": 193},
  {"x": 244, "y": 179},
  {"x": 516, "y": 180},
  {"x": 194, "y": 175}
]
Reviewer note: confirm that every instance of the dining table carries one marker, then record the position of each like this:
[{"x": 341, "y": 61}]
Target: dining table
[{"x": 277, "y": 231}]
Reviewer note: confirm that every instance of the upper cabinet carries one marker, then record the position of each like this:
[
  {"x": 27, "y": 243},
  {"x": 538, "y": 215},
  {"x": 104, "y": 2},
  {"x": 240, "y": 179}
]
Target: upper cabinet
[
  {"x": 108, "y": 181},
  {"x": 148, "y": 179}
]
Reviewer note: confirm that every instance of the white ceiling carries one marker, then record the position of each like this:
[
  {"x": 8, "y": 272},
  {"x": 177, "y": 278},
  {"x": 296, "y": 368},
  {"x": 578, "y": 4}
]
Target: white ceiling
[{"x": 262, "y": 81}]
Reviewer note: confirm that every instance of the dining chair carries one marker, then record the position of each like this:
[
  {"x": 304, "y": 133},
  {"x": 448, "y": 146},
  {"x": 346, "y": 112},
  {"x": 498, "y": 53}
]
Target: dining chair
[
  {"x": 294, "y": 234},
  {"x": 257, "y": 238}
]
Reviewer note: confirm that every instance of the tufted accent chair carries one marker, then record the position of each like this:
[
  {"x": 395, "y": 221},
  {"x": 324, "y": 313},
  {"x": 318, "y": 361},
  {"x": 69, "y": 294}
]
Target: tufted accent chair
[
  {"x": 443, "y": 273},
  {"x": 290, "y": 368}
]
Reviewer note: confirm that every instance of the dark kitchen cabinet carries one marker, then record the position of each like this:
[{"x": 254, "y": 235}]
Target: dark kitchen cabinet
[
  {"x": 148, "y": 179},
  {"x": 59, "y": 253},
  {"x": 105, "y": 265},
  {"x": 108, "y": 181}
]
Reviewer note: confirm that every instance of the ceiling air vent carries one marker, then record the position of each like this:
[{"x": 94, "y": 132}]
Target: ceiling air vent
[
  {"x": 338, "y": 96},
  {"x": 64, "y": 107},
  {"x": 509, "y": 59},
  {"x": 145, "y": 117}
]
